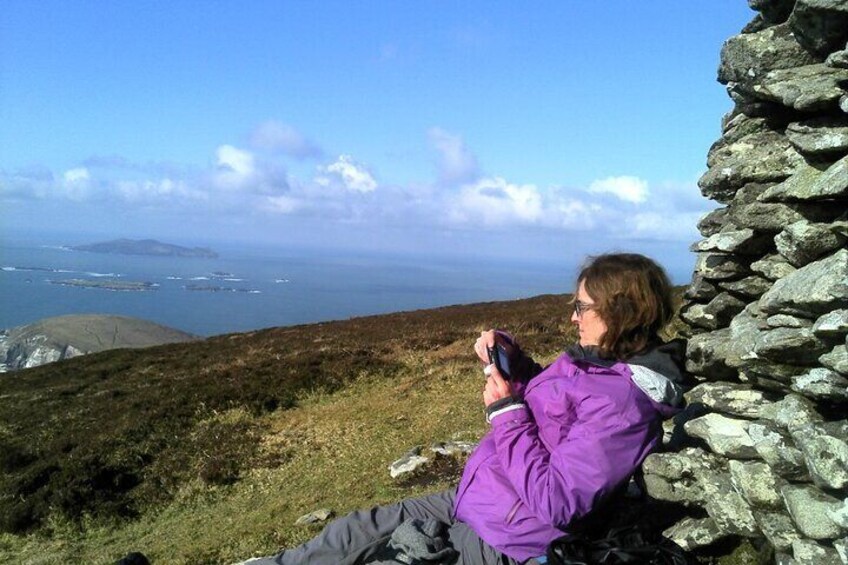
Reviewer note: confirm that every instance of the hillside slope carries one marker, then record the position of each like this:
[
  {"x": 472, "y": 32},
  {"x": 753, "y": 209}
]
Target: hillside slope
[
  {"x": 62, "y": 337},
  {"x": 207, "y": 452}
]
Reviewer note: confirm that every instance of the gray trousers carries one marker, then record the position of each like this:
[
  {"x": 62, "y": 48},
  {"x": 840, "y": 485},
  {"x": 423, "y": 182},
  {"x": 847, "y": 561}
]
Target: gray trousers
[{"x": 360, "y": 535}]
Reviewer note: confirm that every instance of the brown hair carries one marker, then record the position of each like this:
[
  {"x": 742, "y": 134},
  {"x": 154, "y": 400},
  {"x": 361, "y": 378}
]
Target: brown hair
[{"x": 632, "y": 296}]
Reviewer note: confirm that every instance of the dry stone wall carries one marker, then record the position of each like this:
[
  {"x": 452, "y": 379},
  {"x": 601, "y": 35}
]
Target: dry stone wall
[{"x": 762, "y": 450}]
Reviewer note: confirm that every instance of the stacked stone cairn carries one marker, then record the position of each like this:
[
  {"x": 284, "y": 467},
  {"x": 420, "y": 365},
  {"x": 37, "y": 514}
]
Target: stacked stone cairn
[{"x": 762, "y": 450}]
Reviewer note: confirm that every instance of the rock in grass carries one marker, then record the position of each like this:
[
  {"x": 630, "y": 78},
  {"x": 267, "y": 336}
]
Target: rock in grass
[
  {"x": 409, "y": 463},
  {"x": 315, "y": 517}
]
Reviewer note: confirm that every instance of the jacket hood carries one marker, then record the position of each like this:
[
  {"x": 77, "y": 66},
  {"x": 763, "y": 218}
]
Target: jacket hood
[{"x": 657, "y": 371}]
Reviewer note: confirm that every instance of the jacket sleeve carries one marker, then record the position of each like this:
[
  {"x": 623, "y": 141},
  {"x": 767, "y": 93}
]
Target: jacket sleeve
[{"x": 599, "y": 453}]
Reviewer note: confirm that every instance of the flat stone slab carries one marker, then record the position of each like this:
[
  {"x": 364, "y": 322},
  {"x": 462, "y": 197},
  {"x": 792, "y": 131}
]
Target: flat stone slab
[
  {"x": 725, "y": 436},
  {"x": 815, "y": 289},
  {"x": 819, "y": 136},
  {"x": 777, "y": 449},
  {"x": 832, "y": 324},
  {"x": 810, "y": 183},
  {"x": 757, "y": 483},
  {"x": 693, "y": 533},
  {"x": 806, "y": 89},
  {"x": 730, "y": 398},
  {"x": 778, "y": 529},
  {"x": 808, "y": 507},
  {"x": 825, "y": 452},
  {"x": 836, "y": 360}
]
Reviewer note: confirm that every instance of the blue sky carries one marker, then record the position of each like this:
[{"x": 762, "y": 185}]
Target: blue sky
[{"x": 477, "y": 128}]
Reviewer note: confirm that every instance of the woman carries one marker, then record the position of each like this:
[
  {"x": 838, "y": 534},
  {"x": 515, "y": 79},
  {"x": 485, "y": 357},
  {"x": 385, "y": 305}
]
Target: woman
[{"x": 562, "y": 439}]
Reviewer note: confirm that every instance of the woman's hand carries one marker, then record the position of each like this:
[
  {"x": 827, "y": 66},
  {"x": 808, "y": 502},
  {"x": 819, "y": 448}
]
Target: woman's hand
[
  {"x": 496, "y": 387},
  {"x": 487, "y": 339}
]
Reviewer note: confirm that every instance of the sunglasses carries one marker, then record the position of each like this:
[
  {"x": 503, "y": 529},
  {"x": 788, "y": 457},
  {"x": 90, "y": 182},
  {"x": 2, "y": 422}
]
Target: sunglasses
[{"x": 581, "y": 307}]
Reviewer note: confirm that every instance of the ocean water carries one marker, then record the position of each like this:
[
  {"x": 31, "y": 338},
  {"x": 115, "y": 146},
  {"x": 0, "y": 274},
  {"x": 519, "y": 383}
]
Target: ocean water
[{"x": 256, "y": 289}]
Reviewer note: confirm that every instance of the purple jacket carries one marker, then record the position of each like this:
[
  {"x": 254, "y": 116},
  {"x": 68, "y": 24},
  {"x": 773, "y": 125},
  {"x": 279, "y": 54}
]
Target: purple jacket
[{"x": 583, "y": 428}]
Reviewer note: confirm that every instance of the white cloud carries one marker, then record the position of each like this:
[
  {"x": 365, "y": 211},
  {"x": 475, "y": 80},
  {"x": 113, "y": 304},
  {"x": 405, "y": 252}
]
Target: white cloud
[
  {"x": 456, "y": 164},
  {"x": 627, "y": 188},
  {"x": 495, "y": 202},
  {"x": 351, "y": 175},
  {"x": 282, "y": 204},
  {"x": 277, "y": 136},
  {"x": 76, "y": 183}
]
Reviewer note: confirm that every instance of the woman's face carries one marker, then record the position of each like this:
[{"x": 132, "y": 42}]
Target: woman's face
[{"x": 589, "y": 324}]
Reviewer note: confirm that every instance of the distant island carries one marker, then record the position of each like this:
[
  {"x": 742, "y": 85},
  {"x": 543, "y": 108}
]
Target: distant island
[
  {"x": 146, "y": 247},
  {"x": 106, "y": 284}
]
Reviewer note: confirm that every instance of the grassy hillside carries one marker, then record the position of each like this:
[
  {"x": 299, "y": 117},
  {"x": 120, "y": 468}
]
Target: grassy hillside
[{"x": 207, "y": 452}]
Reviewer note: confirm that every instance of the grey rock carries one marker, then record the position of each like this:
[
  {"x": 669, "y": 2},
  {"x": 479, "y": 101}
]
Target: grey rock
[
  {"x": 774, "y": 216},
  {"x": 730, "y": 398},
  {"x": 757, "y": 484},
  {"x": 822, "y": 384},
  {"x": 726, "y": 506},
  {"x": 738, "y": 126},
  {"x": 838, "y": 59},
  {"x": 720, "y": 266},
  {"x": 409, "y": 463},
  {"x": 758, "y": 157},
  {"x": 673, "y": 476},
  {"x": 744, "y": 333},
  {"x": 808, "y": 507},
  {"x": 806, "y": 89},
  {"x": 787, "y": 321},
  {"x": 712, "y": 222},
  {"x": 692, "y": 533},
  {"x": 820, "y": 25},
  {"x": 749, "y": 56},
  {"x": 742, "y": 242},
  {"x": 839, "y": 514},
  {"x": 725, "y": 436},
  {"x": 819, "y": 136},
  {"x": 843, "y": 103},
  {"x": 832, "y": 324},
  {"x": 700, "y": 289},
  {"x": 749, "y": 287},
  {"x": 816, "y": 288},
  {"x": 825, "y": 453},
  {"x": 778, "y": 529},
  {"x": 706, "y": 355},
  {"x": 803, "y": 242},
  {"x": 841, "y": 547},
  {"x": 453, "y": 448},
  {"x": 773, "y": 267},
  {"x": 797, "y": 346},
  {"x": 811, "y": 183},
  {"x": 808, "y": 552},
  {"x": 315, "y": 517},
  {"x": 794, "y": 410},
  {"x": 715, "y": 314},
  {"x": 836, "y": 360},
  {"x": 778, "y": 450},
  {"x": 773, "y": 11}
]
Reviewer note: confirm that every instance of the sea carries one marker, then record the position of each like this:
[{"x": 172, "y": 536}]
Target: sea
[{"x": 246, "y": 289}]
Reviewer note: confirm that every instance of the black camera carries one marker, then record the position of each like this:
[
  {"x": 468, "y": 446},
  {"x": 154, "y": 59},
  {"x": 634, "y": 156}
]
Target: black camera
[{"x": 500, "y": 359}]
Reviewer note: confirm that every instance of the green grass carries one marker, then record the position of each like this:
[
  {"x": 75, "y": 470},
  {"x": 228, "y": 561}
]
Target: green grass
[{"x": 207, "y": 452}]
